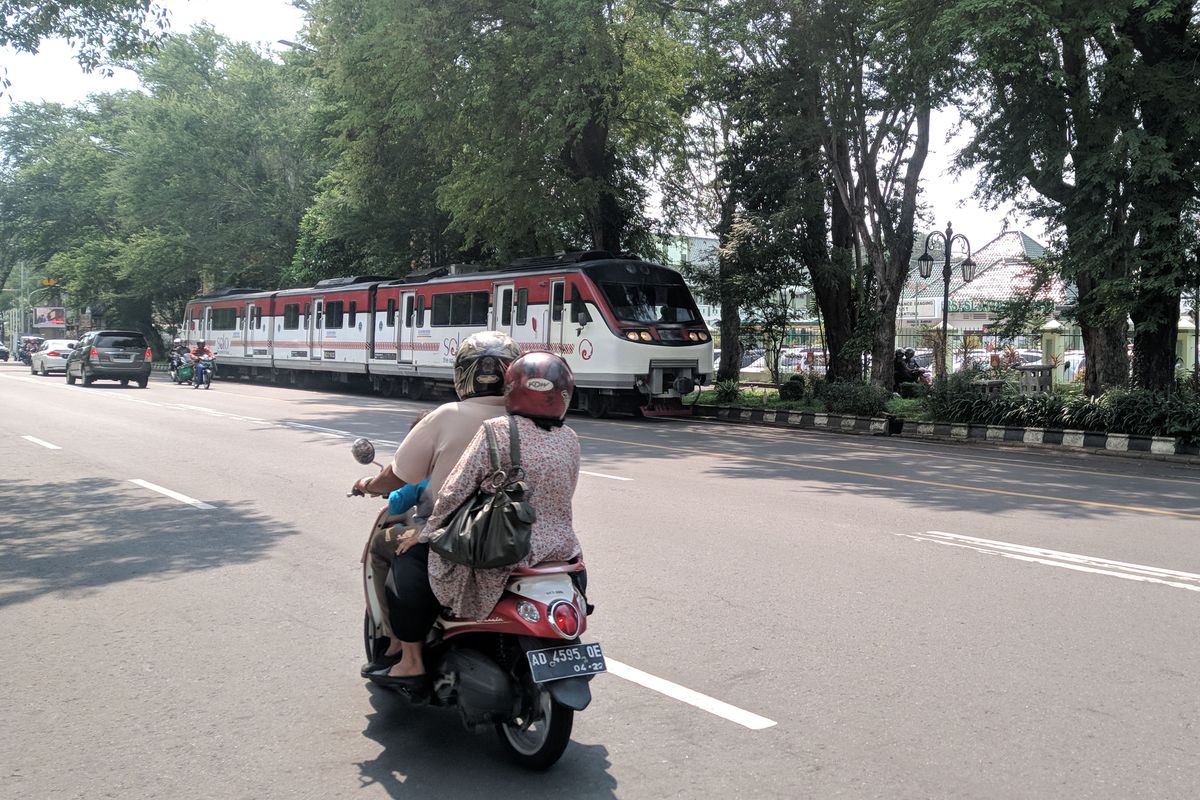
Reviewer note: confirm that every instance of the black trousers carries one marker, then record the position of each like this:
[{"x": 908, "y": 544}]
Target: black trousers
[{"x": 412, "y": 605}]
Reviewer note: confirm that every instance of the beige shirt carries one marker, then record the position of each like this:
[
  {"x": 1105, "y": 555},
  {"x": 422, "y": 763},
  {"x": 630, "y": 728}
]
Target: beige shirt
[{"x": 431, "y": 449}]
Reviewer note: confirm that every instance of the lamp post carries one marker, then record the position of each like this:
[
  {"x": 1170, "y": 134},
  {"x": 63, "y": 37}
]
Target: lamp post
[{"x": 925, "y": 267}]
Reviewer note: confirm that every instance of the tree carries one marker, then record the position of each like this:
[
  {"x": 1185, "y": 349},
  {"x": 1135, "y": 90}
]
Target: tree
[
  {"x": 536, "y": 121},
  {"x": 99, "y": 30},
  {"x": 139, "y": 200},
  {"x": 1088, "y": 107},
  {"x": 879, "y": 72}
]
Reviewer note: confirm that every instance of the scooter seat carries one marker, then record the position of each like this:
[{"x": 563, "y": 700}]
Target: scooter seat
[{"x": 549, "y": 568}]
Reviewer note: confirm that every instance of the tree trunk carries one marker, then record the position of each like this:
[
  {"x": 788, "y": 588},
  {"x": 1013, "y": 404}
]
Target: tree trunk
[
  {"x": 731, "y": 312},
  {"x": 1156, "y": 330},
  {"x": 1104, "y": 343},
  {"x": 833, "y": 286}
]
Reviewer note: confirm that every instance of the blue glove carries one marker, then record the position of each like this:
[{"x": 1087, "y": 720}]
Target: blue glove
[{"x": 405, "y": 497}]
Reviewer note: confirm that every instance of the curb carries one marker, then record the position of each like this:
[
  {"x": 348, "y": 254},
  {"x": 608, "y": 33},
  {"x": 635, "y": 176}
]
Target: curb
[
  {"x": 1158, "y": 448},
  {"x": 842, "y": 423}
]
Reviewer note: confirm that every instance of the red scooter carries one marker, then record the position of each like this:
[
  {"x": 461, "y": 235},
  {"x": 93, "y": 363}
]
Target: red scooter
[{"x": 523, "y": 670}]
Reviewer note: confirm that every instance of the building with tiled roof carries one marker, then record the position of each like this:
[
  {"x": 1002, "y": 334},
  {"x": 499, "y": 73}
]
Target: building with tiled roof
[{"x": 1004, "y": 271}]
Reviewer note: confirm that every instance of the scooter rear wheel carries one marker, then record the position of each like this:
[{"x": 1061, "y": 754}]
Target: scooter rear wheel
[{"x": 541, "y": 743}]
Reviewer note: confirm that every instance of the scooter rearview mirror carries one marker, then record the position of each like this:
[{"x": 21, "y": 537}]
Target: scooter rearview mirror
[{"x": 363, "y": 450}]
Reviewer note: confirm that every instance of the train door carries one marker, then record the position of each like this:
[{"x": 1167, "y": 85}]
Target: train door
[
  {"x": 502, "y": 308},
  {"x": 248, "y": 335},
  {"x": 554, "y": 330},
  {"x": 316, "y": 325},
  {"x": 406, "y": 328},
  {"x": 206, "y": 326}
]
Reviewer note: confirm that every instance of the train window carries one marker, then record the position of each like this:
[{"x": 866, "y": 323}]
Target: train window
[
  {"x": 460, "y": 308},
  {"x": 420, "y": 311},
  {"x": 650, "y": 303},
  {"x": 556, "y": 304},
  {"x": 578, "y": 306},
  {"x": 307, "y": 314},
  {"x": 258, "y": 318},
  {"x": 410, "y": 310},
  {"x": 522, "y": 306},
  {"x": 441, "y": 309},
  {"x": 291, "y": 316},
  {"x": 391, "y": 312},
  {"x": 334, "y": 314},
  {"x": 224, "y": 319},
  {"x": 353, "y": 312},
  {"x": 506, "y": 308}
]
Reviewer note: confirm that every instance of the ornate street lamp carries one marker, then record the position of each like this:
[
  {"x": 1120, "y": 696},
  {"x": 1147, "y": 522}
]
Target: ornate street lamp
[{"x": 925, "y": 267}]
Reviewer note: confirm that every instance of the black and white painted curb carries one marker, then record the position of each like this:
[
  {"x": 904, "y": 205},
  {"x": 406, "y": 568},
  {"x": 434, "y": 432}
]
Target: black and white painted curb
[
  {"x": 1161, "y": 447},
  {"x": 845, "y": 423}
]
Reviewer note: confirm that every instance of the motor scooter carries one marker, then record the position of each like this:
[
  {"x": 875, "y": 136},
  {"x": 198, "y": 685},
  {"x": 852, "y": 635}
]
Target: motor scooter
[{"x": 523, "y": 670}]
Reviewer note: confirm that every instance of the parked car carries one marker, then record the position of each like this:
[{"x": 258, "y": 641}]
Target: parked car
[
  {"x": 51, "y": 356},
  {"x": 110, "y": 356},
  {"x": 3, "y": 352}
]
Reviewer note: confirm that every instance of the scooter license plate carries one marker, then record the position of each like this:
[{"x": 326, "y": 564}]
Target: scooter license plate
[{"x": 568, "y": 661}]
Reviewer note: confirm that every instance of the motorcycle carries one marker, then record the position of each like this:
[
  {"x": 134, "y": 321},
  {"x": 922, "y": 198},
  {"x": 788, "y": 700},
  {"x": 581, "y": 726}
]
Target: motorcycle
[
  {"x": 523, "y": 670},
  {"x": 197, "y": 373},
  {"x": 177, "y": 360}
]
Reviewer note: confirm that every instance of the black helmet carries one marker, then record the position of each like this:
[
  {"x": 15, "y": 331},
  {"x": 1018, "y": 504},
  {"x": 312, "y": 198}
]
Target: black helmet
[
  {"x": 481, "y": 362},
  {"x": 909, "y": 353},
  {"x": 899, "y": 353}
]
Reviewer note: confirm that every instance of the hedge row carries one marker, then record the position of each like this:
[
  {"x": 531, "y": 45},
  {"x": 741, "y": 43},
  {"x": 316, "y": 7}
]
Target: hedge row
[{"x": 1130, "y": 411}]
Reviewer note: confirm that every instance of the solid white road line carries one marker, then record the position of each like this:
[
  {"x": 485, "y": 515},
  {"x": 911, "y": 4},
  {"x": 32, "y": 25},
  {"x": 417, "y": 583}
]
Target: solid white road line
[
  {"x": 702, "y": 701},
  {"x": 183, "y": 498},
  {"x": 602, "y": 475},
  {"x": 42, "y": 442},
  {"x": 1176, "y": 579}
]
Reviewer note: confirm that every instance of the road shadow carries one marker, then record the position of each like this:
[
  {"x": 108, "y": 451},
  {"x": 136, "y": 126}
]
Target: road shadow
[
  {"x": 71, "y": 538},
  {"x": 428, "y": 753}
]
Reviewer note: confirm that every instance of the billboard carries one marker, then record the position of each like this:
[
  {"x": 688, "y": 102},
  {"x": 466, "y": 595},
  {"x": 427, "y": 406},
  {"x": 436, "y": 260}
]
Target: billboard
[{"x": 49, "y": 317}]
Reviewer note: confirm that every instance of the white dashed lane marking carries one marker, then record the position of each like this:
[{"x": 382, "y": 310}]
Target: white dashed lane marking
[
  {"x": 42, "y": 442},
  {"x": 183, "y": 498}
]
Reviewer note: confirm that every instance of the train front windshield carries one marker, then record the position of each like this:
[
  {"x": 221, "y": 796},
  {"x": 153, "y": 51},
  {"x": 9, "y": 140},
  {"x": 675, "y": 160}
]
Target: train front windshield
[{"x": 650, "y": 303}]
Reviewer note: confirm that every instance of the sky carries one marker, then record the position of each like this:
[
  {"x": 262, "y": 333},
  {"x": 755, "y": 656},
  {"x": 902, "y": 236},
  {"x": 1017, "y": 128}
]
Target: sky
[{"x": 52, "y": 75}]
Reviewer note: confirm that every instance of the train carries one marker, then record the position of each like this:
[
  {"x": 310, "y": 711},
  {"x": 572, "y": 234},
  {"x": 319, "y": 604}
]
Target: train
[{"x": 629, "y": 328}]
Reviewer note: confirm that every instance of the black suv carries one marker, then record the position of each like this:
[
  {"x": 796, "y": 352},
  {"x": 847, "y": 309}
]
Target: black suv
[{"x": 110, "y": 356}]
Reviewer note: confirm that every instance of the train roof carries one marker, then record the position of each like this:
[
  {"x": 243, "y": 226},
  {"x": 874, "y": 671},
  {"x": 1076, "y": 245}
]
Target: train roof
[
  {"x": 600, "y": 261},
  {"x": 552, "y": 263}
]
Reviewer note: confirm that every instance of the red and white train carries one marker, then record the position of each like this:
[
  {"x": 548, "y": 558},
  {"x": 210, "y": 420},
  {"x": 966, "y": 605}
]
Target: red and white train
[{"x": 630, "y": 329}]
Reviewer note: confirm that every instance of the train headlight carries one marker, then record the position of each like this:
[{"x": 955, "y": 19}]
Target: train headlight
[
  {"x": 631, "y": 335},
  {"x": 644, "y": 335},
  {"x": 703, "y": 336},
  {"x": 693, "y": 336}
]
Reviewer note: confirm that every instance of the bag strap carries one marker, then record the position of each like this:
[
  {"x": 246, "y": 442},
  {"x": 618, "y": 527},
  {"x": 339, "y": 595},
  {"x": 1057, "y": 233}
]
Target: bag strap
[
  {"x": 514, "y": 441},
  {"x": 493, "y": 449}
]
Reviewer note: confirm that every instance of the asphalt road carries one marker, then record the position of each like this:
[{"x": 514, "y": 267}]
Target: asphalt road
[{"x": 899, "y": 619}]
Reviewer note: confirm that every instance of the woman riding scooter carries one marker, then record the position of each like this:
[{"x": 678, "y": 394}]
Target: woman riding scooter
[{"x": 430, "y": 450}]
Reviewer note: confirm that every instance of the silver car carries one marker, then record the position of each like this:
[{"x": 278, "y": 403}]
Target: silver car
[{"x": 51, "y": 356}]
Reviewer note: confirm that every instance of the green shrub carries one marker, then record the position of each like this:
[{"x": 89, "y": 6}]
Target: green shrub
[
  {"x": 728, "y": 391},
  {"x": 857, "y": 398},
  {"x": 792, "y": 390},
  {"x": 816, "y": 386},
  {"x": 1132, "y": 411}
]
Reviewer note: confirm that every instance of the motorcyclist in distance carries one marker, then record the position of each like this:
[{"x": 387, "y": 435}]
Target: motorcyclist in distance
[{"x": 198, "y": 355}]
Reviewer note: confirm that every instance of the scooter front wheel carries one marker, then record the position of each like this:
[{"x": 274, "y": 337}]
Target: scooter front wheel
[{"x": 539, "y": 743}]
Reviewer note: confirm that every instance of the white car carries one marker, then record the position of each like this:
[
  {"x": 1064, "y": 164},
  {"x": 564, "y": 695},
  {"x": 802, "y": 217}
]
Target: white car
[{"x": 51, "y": 356}]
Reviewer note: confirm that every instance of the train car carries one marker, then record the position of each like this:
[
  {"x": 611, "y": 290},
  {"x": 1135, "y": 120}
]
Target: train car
[{"x": 630, "y": 329}]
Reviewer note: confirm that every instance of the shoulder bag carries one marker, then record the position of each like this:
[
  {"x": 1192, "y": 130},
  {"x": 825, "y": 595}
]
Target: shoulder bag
[{"x": 491, "y": 528}]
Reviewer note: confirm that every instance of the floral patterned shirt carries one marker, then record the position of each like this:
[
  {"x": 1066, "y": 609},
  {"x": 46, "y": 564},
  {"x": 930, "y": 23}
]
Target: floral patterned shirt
[{"x": 550, "y": 460}]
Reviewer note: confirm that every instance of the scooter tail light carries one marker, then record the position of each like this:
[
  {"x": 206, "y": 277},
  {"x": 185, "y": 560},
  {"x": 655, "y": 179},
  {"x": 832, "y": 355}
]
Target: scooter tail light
[
  {"x": 147, "y": 353},
  {"x": 564, "y": 616}
]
